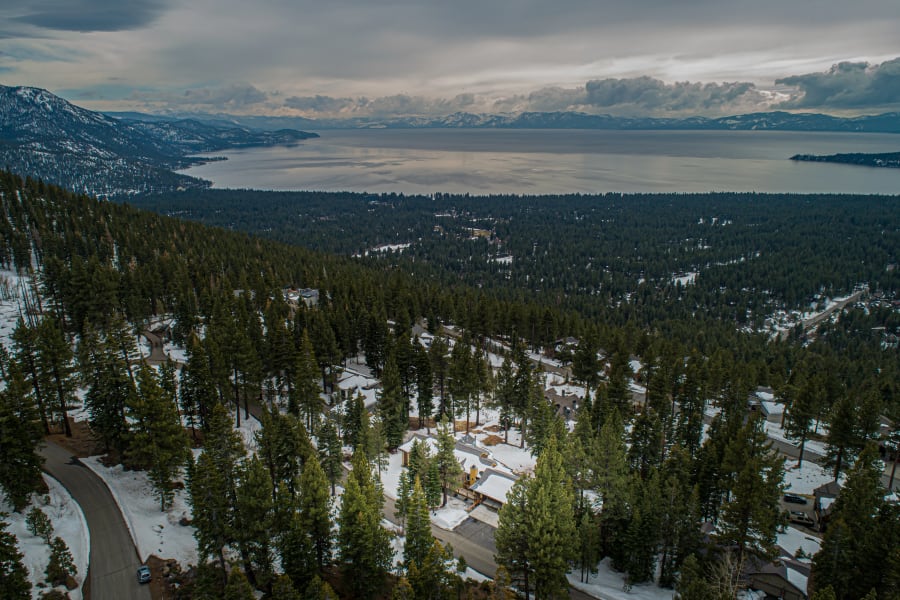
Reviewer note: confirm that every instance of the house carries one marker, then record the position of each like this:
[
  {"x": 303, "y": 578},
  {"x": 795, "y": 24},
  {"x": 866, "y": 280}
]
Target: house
[
  {"x": 310, "y": 297},
  {"x": 352, "y": 384},
  {"x": 483, "y": 479},
  {"x": 785, "y": 578},
  {"x": 772, "y": 411},
  {"x": 293, "y": 296},
  {"x": 825, "y": 495},
  {"x": 472, "y": 459},
  {"x": 492, "y": 487}
]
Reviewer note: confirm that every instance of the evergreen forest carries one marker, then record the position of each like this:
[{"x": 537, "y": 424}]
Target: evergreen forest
[{"x": 682, "y": 490}]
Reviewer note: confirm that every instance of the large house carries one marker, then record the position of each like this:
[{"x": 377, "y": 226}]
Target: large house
[{"x": 483, "y": 478}]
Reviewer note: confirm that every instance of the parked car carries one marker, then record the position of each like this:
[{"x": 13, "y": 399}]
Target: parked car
[
  {"x": 794, "y": 499},
  {"x": 143, "y": 574},
  {"x": 801, "y": 518}
]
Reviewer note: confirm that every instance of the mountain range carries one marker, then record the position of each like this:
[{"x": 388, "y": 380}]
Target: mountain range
[
  {"x": 774, "y": 121},
  {"x": 44, "y": 136},
  {"x": 123, "y": 154}
]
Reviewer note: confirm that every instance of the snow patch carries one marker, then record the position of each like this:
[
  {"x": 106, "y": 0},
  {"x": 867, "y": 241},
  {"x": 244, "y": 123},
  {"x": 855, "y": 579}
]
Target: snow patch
[
  {"x": 68, "y": 523},
  {"x": 153, "y": 531}
]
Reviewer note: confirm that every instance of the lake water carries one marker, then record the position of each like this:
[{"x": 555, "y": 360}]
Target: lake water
[{"x": 481, "y": 161}]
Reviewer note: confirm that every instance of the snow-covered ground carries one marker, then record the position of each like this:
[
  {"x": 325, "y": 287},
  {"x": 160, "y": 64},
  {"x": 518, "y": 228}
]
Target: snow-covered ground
[
  {"x": 13, "y": 288},
  {"x": 153, "y": 531},
  {"x": 68, "y": 523},
  {"x": 610, "y": 585},
  {"x": 805, "y": 479},
  {"x": 775, "y": 432}
]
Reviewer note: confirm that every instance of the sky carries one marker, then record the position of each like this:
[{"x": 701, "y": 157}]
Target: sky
[{"x": 364, "y": 58}]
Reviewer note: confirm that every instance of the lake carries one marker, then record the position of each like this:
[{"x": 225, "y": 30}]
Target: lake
[{"x": 481, "y": 161}]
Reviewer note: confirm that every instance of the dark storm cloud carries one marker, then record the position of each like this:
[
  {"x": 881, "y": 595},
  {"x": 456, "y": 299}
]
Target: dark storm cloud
[
  {"x": 847, "y": 85},
  {"x": 89, "y": 15}
]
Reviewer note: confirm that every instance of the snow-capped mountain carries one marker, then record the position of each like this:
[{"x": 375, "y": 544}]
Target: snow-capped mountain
[{"x": 43, "y": 135}]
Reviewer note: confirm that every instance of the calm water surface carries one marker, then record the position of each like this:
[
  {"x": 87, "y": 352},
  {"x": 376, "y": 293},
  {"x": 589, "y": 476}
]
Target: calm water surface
[{"x": 481, "y": 161}]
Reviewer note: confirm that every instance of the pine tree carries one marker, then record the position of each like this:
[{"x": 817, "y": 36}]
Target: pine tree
[
  {"x": 433, "y": 579},
  {"x": 390, "y": 404},
  {"x": 20, "y": 437},
  {"x": 751, "y": 516},
  {"x": 552, "y": 524},
  {"x": 536, "y": 536},
  {"x": 306, "y": 400},
  {"x": 445, "y": 459},
  {"x": 418, "y": 531},
  {"x": 209, "y": 496},
  {"x": 424, "y": 385},
  {"x": 283, "y": 589},
  {"x": 513, "y": 538},
  {"x": 238, "y": 587},
  {"x": 319, "y": 590},
  {"x": 198, "y": 389},
  {"x": 25, "y": 342},
  {"x": 39, "y": 524},
  {"x": 254, "y": 518},
  {"x": 61, "y": 564},
  {"x": 843, "y": 435},
  {"x": 212, "y": 487},
  {"x": 363, "y": 544},
  {"x": 433, "y": 488},
  {"x": 14, "y": 582},
  {"x": 802, "y": 411},
  {"x": 330, "y": 453},
  {"x": 404, "y": 493},
  {"x": 643, "y": 533},
  {"x": 298, "y": 557},
  {"x": 862, "y": 536},
  {"x": 54, "y": 358},
  {"x": 157, "y": 441},
  {"x": 588, "y": 545},
  {"x": 353, "y": 420},
  {"x": 505, "y": 398},
  {"x": 284, "y": 446},
  {"x": 500, "y": 586},
  {"x": 438, "y": 354},
  {"x": 111, "y": 390},
  {"x": 315, "y": 511},
  {"x": 403, "y": 590},
  {"x": 693, "y": 585}
]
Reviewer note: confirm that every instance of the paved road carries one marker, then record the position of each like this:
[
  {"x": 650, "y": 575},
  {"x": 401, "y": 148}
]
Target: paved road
[
  {"x": 473, "y": 540},
  {"x": 113, "y": 559}
]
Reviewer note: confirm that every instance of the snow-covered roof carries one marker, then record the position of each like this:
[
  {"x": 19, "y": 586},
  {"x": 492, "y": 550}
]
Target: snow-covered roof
[
  {"x": 430, "y": 442},
  {"x": 797, "y": 579},
  {"x": 772, "y": 408},
  {"x": 494, "y": 484},
  {"x": 793, "y": 539}
]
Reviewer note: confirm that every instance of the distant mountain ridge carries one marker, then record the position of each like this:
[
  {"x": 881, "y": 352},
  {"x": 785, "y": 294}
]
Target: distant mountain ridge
[
  {"x": 769, "y": 121},
  {"x": 45, "y": 136}
]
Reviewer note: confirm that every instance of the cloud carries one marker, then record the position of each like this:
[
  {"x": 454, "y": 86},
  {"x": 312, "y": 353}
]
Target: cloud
[
  {"x": 639, "y": 95},
  {"x": 654, "y": 95},
  {"x": 90, "y": 15},
  {"x": 847, "y": 85},
  {"x": 236, "y": 97},
  {"x": 384, "y": 106}
]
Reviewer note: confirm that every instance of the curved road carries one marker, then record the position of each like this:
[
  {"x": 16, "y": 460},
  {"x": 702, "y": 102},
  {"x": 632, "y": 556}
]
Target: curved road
[{"x": 113, "y": 559}]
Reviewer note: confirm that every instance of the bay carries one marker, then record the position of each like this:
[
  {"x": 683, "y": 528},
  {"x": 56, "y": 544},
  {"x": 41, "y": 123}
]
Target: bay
[{"x": 482, "y": 161}]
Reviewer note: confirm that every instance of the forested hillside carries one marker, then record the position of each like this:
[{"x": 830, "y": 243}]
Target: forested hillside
[
  {"x": 661, "y": 473},
  {"x": 614, "y": 258}
]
